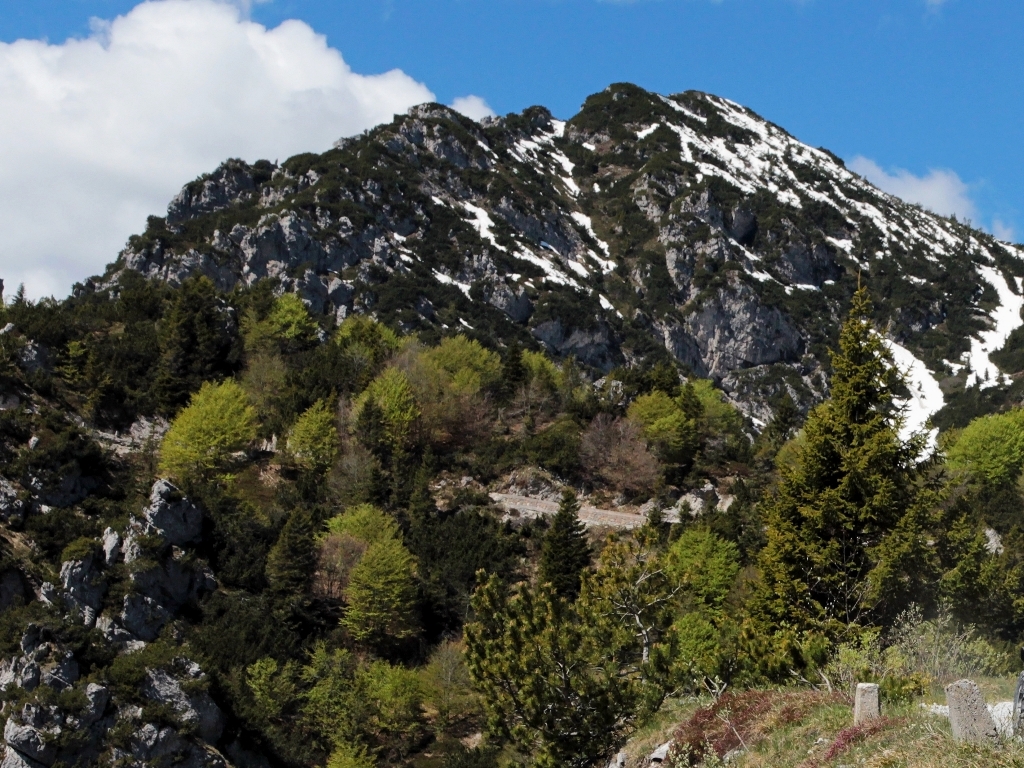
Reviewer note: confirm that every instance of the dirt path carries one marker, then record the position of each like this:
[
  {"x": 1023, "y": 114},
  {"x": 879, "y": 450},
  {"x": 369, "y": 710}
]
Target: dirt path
[{"x": 591, "y": 516}]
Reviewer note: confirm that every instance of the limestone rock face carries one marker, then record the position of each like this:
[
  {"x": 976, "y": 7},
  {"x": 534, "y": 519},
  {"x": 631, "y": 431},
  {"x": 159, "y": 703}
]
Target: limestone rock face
[
  {"x": 685, "y": 220},
  {"x": 33, "y": 742},
  {"x": 230, "y": 182},
  {"x": 12, "y": 507},
  {"x": 144, "y": 617},
  {"x": 84, "y": 587},
  {"x": 197, "y": 710},
  {"x": 735, "y": 330},
  {"x": 171, "y": 516}
]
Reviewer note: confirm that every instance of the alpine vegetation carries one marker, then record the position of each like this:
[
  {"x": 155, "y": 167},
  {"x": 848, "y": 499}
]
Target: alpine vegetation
[{"x": 502, "y": 443}]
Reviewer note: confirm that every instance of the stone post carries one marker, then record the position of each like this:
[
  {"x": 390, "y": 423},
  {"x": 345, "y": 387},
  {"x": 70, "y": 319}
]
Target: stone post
[
  {"x": 968, "y": 716},
  {"x": 865, "y": 704}
]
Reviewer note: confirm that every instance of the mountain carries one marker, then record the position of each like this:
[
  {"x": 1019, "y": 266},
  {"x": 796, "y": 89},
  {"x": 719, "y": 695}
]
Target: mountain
[{"x": 646, "y": 225}]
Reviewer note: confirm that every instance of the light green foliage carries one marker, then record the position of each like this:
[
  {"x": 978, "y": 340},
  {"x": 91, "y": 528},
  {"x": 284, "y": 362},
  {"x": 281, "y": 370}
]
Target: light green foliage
[
  {"x": 447, "y": 684},
  {"x": 381, "y": 594},
  {"x": 393, "y": 396},
  {"x": 366, "y": 523},
  {"x": 665, "y": 426},
  {"x": 555, "y": 677},
  {"x": 718, "y": 415},
  {"x": 991, "y": 448},
  {"x": 313, "y": 441},
  {"x": 704, "y": 565},
  {"x": 217, "y": 423},
  {"x": 469, "y": 367},
  {"x": 331, "y": 707},
  {"x": 365, "y": 337},
  {"x": 393, "y": 698},
  {"x": 914, "y": 654},
  {"x": 352, "y": 704},
  {"x": 264, "y": 380},
  {"x": 273, "y": 687},
  {"x": 288, "y": 324},
  {"x": 350, "y": 756},
  {"x": 541, "y": 372}
]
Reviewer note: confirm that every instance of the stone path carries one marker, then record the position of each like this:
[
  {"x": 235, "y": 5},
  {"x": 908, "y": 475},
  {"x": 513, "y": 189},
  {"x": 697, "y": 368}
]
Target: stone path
[{"x": 591, "y": 516}]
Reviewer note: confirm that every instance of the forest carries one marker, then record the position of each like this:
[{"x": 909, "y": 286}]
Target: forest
[{"x": 367, "y": 603}]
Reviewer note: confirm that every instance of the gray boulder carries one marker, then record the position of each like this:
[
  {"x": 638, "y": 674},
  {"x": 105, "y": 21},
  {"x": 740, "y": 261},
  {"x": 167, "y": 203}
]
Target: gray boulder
[
  {"x": 14, "y": 759},
  {"x": 144, "y": 617},
  {"x": 98, "y": 697},
  {"x": 12, "y": 507},
  {"x": 84, "y": 588},
  {"x": 171, "y": 515},
  {"x": 111, "y": 546},
  {"x": 62, "y": 673},
  {"x": 30, "y": 741},
  {"x": 197, "y": 710}
]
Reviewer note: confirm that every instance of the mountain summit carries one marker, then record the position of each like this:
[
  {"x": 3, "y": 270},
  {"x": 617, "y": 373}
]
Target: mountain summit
[{"x": 646, "y": 225}]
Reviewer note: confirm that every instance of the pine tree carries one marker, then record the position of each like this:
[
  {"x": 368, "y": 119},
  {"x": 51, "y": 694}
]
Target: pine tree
[
  {"x": 565, "y": 552},
  {"x": 845, "y": 527}
]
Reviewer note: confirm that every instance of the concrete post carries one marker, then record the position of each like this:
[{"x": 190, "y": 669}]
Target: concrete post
[
  {"x": 968, "y": 716},
  {"x": 865, "y": 704}
]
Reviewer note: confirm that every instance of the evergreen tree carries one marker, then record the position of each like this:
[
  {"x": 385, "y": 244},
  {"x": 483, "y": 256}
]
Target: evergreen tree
[
  {"x": 565, "y": 552},
  {"x": 197, "y": 343},
  {"x": 845, "y": 527},
  {"x": 292, "y": 559}
]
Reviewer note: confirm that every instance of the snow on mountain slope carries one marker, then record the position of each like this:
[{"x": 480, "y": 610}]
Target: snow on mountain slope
[{"x": 684, "y": 227}]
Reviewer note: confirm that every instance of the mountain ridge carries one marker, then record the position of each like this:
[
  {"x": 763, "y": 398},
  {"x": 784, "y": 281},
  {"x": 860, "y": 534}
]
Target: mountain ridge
[{"x": 644, "y": 223}]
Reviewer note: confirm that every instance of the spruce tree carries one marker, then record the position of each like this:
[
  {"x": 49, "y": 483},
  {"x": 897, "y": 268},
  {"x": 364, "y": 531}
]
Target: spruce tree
[
  {"x": 845, "y": 526},
  {"x": 292, "y": 559},
  {"x": 565, "y": 552}
]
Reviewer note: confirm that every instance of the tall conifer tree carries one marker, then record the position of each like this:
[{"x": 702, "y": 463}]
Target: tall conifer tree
[
  {"x": 565, "y": 552},
  {"x": 845, "y": 526}
]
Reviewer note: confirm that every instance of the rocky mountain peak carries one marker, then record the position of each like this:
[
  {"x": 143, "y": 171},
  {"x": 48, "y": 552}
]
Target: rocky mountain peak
[{"x": 684, "y": 226}]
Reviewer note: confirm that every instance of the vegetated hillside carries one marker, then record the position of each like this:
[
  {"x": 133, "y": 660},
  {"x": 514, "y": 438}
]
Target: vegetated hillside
[
  {"x": 242, "y": 522},
  {"x": 643, "y": 225}
]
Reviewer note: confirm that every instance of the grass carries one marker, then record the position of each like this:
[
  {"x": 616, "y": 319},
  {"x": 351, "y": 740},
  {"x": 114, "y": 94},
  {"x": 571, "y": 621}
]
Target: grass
[{"x": 801, "y": 728}]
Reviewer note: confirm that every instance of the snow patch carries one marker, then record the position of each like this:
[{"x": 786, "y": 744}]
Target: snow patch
[
  {"x": 443, "y": 278},
  {"x": 647, "y": 131},
  {"x": 926, "y": 396},
  {"x": 1005, "y": 320},
  {"x": 484, "y": 224}
]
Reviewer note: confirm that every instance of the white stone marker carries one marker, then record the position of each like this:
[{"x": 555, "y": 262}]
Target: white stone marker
[
  {"x": 968, "y": 716},
  {"x": 865, "y": 704}
]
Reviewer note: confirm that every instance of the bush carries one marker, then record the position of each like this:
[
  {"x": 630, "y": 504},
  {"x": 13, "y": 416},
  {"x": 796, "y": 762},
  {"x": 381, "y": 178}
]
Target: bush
[
  {"x": 612, "y": 451},
  {"x": 217, "y": 423},
  {"x": 313, "y": 441},
  {"x": 991, "y": 448}
]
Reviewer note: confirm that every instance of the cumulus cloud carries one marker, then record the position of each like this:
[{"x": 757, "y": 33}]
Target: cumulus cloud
[
  {"x": 940, "y": 191},
  {"x": 98, "y": 133},
  {"x": 473, "y": 107}
]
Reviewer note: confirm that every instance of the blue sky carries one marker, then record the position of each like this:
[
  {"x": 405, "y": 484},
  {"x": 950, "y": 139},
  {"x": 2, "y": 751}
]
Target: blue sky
[{"x": 932, "y": 88}]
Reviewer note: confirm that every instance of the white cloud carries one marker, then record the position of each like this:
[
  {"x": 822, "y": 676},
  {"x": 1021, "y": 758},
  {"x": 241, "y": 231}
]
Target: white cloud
[
  {"x": 940, "y": 191},
  {"x": 100, "y": 132},
  {"x": 473, "y": 107},
  {"x": 1003, "y": 231}
]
